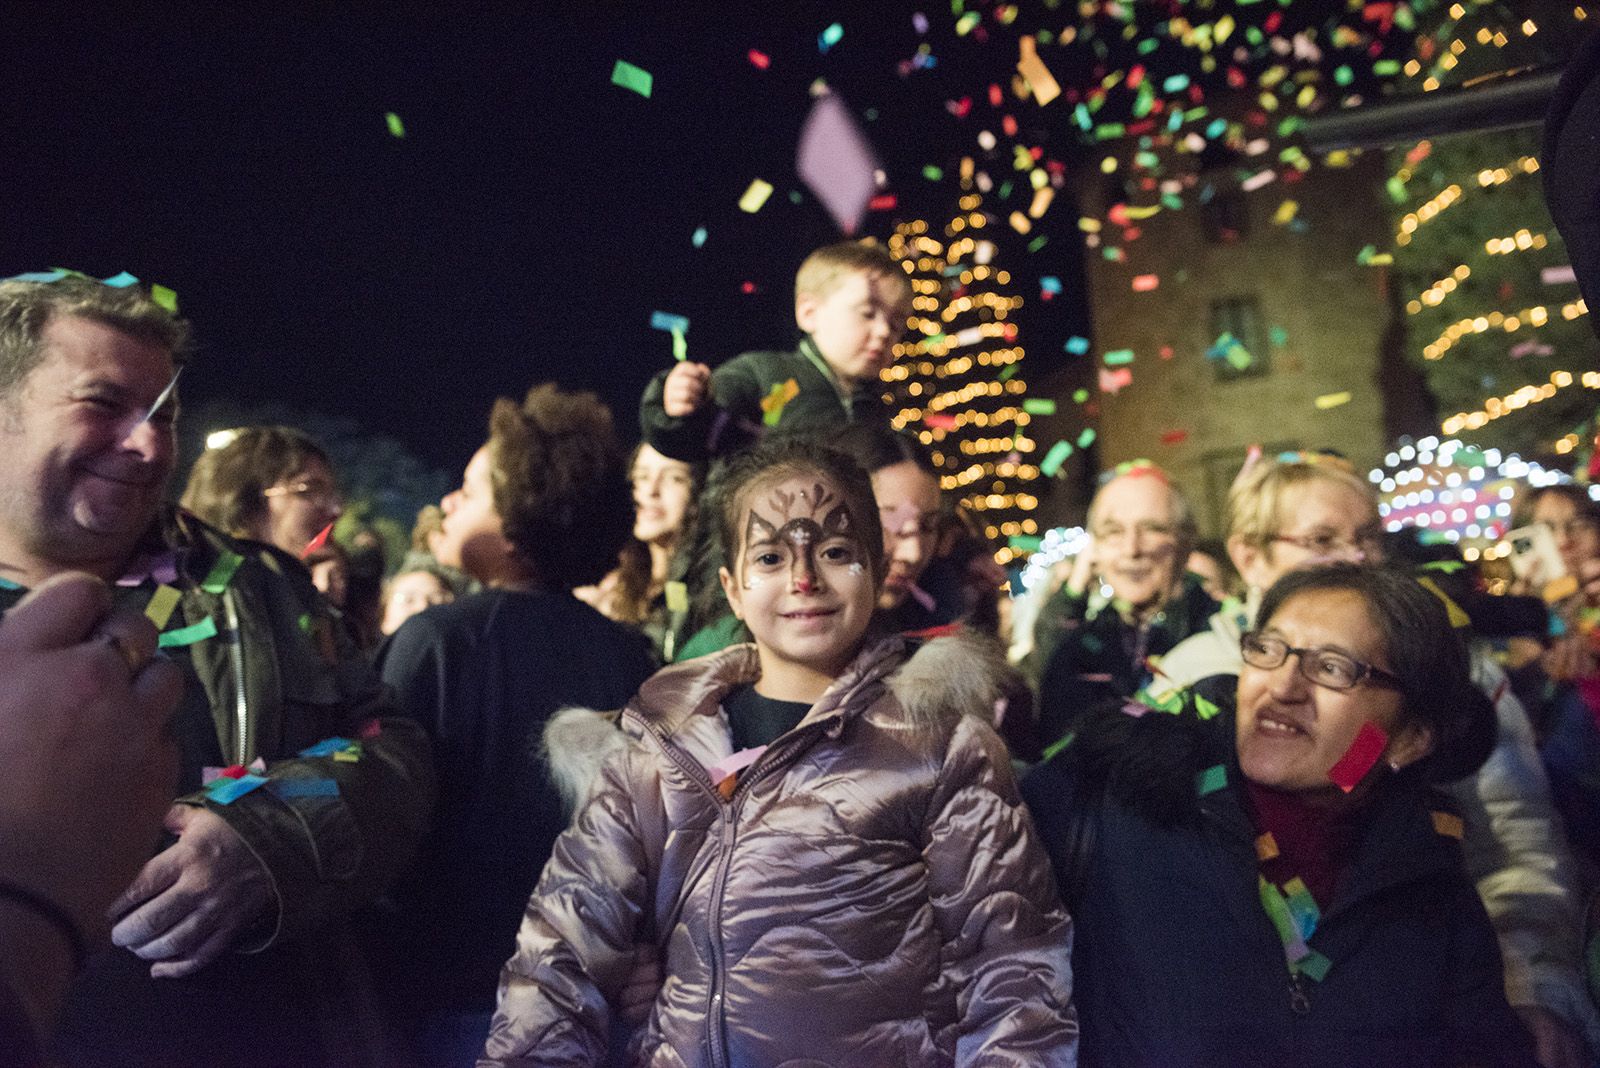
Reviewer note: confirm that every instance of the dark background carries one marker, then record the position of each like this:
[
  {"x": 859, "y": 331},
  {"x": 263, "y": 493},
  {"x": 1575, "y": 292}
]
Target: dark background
[{"x": 524, "y": 229}]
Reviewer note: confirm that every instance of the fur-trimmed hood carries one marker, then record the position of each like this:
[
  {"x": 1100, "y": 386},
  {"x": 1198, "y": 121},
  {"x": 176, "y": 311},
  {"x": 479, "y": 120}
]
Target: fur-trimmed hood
[{"x": 933, "y": 682}]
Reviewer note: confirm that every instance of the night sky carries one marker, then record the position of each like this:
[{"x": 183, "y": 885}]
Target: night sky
[{"x": 524, "y": 228}]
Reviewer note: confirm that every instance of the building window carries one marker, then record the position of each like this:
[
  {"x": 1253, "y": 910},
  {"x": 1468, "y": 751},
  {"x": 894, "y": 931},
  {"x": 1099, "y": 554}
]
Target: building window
[
  {"x": 1227, "y": 217},
  {"x": 1237, "y": 345}
]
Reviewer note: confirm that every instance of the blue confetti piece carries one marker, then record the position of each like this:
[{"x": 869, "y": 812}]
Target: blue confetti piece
[
  {"x": 661, "y": 320},
  {"x": 1050, "y": 284},
  {"x": 39, "y": 276},
  {"x": 327, "y": 747},
  {"x": 226, "y": 791},
  {"x": 290, "y": 788},
  {"x": 1077, "y": 345},
  {"x": 120, "y": 281},
  {"x": 830, "y": 37},
  {"x": 699, "y": 238}
]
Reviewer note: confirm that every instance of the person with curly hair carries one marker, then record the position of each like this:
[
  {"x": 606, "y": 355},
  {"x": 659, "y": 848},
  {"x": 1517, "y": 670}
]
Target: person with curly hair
[{"x": 543, "y": 507}]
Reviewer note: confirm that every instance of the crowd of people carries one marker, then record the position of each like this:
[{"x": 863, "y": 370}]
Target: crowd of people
[{"x": 736, "y": 750}]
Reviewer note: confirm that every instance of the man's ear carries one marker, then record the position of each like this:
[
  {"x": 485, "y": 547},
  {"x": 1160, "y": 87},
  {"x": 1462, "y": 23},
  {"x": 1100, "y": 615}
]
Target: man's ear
[
  {"x": 731, "y": 590},
  {"x": 805, "y": 310}
]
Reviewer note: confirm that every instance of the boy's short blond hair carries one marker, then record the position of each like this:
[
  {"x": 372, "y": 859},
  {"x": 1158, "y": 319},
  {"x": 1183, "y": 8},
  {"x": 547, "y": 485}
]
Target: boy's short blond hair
[{"x": 825, "y": 268}]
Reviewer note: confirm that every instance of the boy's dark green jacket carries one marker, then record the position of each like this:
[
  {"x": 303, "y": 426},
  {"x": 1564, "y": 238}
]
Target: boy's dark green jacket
[{"x": 733, "y": 417}]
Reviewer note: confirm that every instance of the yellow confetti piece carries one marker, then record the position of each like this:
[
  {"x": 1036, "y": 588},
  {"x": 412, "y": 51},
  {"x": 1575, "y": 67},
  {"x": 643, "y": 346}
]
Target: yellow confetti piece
[
  {"x": 1145, "y": 212},
  {"x": 1332, "y": 400},
  {"x": 162, "y": 602},
  {"x": 1088, "y": 225},
  {"x": 1458, "y": 617},
  {"x": 1020, "y": 222},
  {"x": 755, "y": 196},
  {"x": 1032, "y": 68},
  {"x": 1286, "y": 212},
  {"x": 1041, "y": 201},
  {"x": 677, "y": 597},
  {"x": 1266, "y": 846},
  {"x": 1448, "y": 824}
]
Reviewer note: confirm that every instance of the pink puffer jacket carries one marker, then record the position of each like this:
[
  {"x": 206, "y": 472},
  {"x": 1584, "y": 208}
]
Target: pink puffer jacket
[{"x": 873, "y": 894}]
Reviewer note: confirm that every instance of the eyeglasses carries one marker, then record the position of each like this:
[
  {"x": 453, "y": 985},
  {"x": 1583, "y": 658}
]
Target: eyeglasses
[
  {"x": 317, "y": 492},
  {"x": 1325, "y": 667},
  {"x": 1150, "y": 531},
  {"x": 1369, "y": 543}
]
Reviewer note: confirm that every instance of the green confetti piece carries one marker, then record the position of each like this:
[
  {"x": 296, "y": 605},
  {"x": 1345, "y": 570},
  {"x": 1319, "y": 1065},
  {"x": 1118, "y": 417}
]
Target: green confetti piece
[
  {"x": 1343, "y": 75},
  {"x": 165, "y": 298},
  {"x": 1008, "y": 372},
  {"x": 1211, "y": 780},
  {"x": 1278, "y": 336},
  {"x": 1066, "y": 739},
  {"x": 1204, "y": 709},
  {"x": 932, "y": 173},
  {"x": 1468, "y": 458},
  {"x": 1447, "y": 567},
  {"x": 397, "y": 129},
  {"x": 830, "y": 37},
  {"x": 1118, "y": 357},
  {"x": 1313, "y": 965},
  {"x": 1148, "y": 45},
  {"x": 195, "y": 632},
  {"x": 221, "y": 572},
  {"x": 1037, "y": 243},
  {"x": 794, "y": 196},
  {"x": 1396, "y": 189},
  {"x": 1386, "y": 67},
  {"x": 305, "y": 623},
  {"x": 1079, "y": 396},
  {"x": 1051, "y": 464},
  {"x": 680, "y": 345},
  {"x": 1039, "y": 406},
  {"x": 1086, "y": 438},
  {"x": 1005, "y": 189},
  {"x": 1025, "y": 543},
  {"x": 628, "y": 76}
]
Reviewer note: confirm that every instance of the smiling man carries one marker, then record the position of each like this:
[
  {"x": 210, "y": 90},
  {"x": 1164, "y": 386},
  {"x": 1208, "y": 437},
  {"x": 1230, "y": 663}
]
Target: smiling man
[
  {"x": 1094, "y": 643},
  {"x": 86, "y": 427}
]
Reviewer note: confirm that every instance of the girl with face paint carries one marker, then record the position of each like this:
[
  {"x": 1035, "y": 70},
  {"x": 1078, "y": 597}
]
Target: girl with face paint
[{"x": 808, "y": 848}]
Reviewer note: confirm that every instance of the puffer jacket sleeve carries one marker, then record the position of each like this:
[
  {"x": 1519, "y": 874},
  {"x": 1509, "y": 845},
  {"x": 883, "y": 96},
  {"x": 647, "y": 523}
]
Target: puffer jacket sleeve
[
  {"x": 577, "y": 941},
  {"x": 1007, "y": 940},
  {"x": 1517, "y": 854},
  {"x": 1481, "y": 1028}
]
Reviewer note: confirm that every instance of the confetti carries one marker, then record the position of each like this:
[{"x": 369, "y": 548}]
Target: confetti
[
  {"x": 120, "y": 281},
  {"x": 1332, "y": 400},
  {"x": 1211, "y": 780},
  {"x": 698, "y": 240},
  {"x": 1086, "y": 438},
  {"x": 1058, "y": 454},
  {"x": 1360, "y": 758},
  {"x": 1039, "y": 406},
  {"x": 940, "y": 420},
  {"x": 1285, "y": 213},
  {"x": 660, "y": 320},
  {"x": 755, "y": 196},
  {"x": 190, "y": 635},
  {"x": 1025, "y": 543},
  {"x": 162, "y": 602},
  {"x": 1118, "y": 357},
  {"x": 777, "y": 399},
  {"x": 628, "y": 76},
  {"x": 164, "y": 298},
  {"x": 1038, "y": 76},
  {"x": 760, "y": 59},
  {"x": 830, "y": 37},
  {"x": 677, "y": 594},
  {"x": 836, "y": 161},
  {"x": 397, "y": 129},
  {"x": 1077, "y": 345},
  {"x": 1113, "y": 381},
  {"x": 1144, "y": 283}
]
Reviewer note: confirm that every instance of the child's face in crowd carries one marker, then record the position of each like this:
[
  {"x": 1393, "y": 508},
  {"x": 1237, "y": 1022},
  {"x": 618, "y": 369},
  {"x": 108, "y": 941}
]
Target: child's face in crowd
[
  {"x": 855, "y": 324},
  {"x": 661, "y": 488},
  {"x": 801, "y": 581},
  {"x": 472, "y": 537},
  {"x": 1291, "y": 731},
  {"x": 908, "y": 505},
  {"x": 410, "y": 593}
]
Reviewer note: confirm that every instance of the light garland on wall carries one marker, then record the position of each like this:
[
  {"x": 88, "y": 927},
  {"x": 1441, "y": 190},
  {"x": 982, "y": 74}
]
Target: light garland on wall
[{"x": 1533, "y": 317}]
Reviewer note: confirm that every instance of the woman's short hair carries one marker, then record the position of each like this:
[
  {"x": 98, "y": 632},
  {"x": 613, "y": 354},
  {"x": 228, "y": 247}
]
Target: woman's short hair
[
  {"x": 559, "y": 485},
  {"x": 1427, "y": 655},
  {"x": 875, "y": 447},
  {"x": 1256, "y": 508},
  {"x": 227, "y": 483}
]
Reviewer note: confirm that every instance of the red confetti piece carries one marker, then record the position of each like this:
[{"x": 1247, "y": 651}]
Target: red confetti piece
[
  {"x": 1009, "y": 125},
  {"x": 747, "y": 287},
  {"x": 1166, "y": 352},
  {"x": 884, "y": 202},
  {"x": 760, "y": 59},
  {"x": 994, "y": 95},
  {"x": 1360, "y": 757},
  {"x": 1144, "y": 283},
  {"x": 959, "y": 108},
  {"x": 317, "y": 542},
  {"x": 1174, "y": 437},
  {"x": 940, "y": 420}
]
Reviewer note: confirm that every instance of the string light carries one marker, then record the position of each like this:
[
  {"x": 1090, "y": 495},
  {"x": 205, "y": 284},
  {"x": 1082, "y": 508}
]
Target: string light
[
  {"x": 1496, "y": 407},
  {"x": 1535, "y": 317}
]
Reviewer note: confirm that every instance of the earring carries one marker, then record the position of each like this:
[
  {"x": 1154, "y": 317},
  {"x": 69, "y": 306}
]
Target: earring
[{"x": 1395, "y": 766}]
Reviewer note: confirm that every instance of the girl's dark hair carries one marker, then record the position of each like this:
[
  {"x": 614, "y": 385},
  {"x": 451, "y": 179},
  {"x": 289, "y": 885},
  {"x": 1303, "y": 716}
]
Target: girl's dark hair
[
  {"x": 778, "y": 459},
  {"x": 1425, "y": 653}
]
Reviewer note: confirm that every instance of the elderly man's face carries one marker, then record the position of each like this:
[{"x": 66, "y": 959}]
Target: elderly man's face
[
  {"x": 1136, "y": 539},
  {"x": 82, "y": 476}
]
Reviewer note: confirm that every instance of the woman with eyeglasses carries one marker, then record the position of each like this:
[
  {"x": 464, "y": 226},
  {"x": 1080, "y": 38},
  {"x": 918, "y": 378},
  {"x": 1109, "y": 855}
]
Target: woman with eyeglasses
[
  {"x": 1268, "y": 877},
  {"x": 270, "y": 484},
  {"x": 1310, "y": 510}
]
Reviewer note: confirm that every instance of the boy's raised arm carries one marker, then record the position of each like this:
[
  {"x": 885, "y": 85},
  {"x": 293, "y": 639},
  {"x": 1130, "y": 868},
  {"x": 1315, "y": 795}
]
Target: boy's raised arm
[
  {"x": 722, "y": 400},
  {"x": 576, "y": 946},
  {"x": 1008, "y": 942}
]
